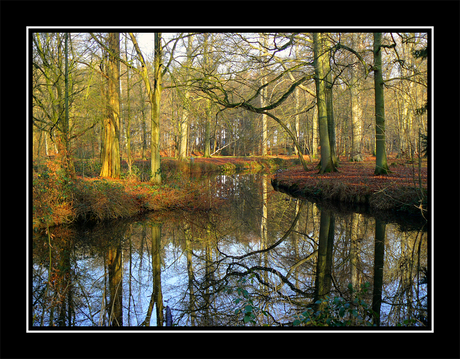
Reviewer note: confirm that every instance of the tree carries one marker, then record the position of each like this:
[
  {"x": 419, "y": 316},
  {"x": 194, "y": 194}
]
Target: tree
[
  {"x": 155, "y": 175},
  {"x": 264, "y": 98},
  {"x": 356, "y": 138},
  {"x": 207, "y": 69},
  {"x": 128, "y": 112},
  {"x": 237, "y": 91},
  {"x": 236, "y": 82},
  {"x": 327, "y": 165},
  {"x": 329, "y": 100},
  {"x": 184, "y": 124},
  {"x": 154, "y": 94},
  {"x": 111, "y": 153},
  {"x": 51, "y": 107},
  {"x": 381, "y": 167}
]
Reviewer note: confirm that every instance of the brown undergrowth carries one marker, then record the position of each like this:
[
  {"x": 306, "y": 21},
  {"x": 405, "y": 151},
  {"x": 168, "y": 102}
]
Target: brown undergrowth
[
  {"x": 355, "y": 183},
  {"x": 58, "y": 199}
]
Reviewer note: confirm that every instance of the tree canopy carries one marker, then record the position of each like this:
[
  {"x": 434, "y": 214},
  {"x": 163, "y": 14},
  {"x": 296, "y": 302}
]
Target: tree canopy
[{"x": 237, "y": 93}]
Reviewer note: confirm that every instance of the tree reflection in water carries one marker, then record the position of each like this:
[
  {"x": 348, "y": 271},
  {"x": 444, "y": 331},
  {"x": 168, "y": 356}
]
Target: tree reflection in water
[{"x": 290, "y": 254}]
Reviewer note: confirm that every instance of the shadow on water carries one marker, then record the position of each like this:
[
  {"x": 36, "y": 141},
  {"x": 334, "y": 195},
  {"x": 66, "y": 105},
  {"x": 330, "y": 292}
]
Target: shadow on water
[{"x": 261, "y": 258}]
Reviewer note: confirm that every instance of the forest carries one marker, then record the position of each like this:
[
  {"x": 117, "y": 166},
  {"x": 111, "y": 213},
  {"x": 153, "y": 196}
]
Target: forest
[
  {"x": 152, "y": 160},
  {"x": 121, "y": 105}
]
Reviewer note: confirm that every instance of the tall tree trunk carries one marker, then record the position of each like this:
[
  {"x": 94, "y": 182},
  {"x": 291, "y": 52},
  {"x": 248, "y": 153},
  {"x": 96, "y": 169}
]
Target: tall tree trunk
[
  {"x": 297, "y": 118},
  {"x": 143, "y": 125},
  {"x": 314, "y": 135},
  {"x": 69, "y": 167},
  {"x": 297, "y": 107},
  {"x": 155, "y": 175},
  {"x": 263, "y": 102},
  {"x": 185, "y": 112},
  {"x": 184, "y": 129},
  {"x": 128, "y": 111},
  {"x": 356, "y": 129},
  {"x": 207, "y": 130},
  {"x": 207, "y": 71},
  {"x": 355, "y": 124},
  {"x": 111, "y": 155},
  {"x": 381, "y": 167},
  {"x": 329, "y": 101},
  {"x": 327, "y": 164}
]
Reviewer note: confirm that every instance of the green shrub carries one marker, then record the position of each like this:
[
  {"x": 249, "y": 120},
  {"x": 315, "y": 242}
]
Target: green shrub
[{"x": 338, "y": 312}]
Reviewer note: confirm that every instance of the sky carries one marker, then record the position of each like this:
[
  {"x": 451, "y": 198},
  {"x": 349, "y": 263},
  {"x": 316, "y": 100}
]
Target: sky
[{"x": 145, "y": 41}]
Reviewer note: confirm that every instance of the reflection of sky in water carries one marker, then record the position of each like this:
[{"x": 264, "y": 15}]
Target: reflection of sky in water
[{"x": 233, "y": 230}]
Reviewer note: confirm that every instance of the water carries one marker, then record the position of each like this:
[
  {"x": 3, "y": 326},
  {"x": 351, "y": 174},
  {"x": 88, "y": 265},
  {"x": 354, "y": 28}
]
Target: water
[{"x": 258, "y": 258}]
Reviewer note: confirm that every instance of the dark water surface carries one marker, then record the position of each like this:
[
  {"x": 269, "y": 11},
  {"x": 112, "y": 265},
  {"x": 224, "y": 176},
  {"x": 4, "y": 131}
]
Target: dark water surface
[{"x": 259, "y": 258}]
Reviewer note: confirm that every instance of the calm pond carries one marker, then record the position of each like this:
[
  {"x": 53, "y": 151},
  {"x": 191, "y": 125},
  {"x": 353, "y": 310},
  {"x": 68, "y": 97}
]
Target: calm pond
[{"x": 259, "y": 258}]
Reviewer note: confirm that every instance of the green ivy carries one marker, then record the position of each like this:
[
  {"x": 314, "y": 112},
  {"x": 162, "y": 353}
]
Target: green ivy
[
  {"x": 247, "y": 307},
  {"x": 338, "y": 312}
]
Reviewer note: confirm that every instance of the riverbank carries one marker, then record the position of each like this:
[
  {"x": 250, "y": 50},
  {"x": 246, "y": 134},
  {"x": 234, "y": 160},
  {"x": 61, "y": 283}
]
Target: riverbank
[
  {"x": 58, "y": 200},
  {"x": 404, "y": 189}
]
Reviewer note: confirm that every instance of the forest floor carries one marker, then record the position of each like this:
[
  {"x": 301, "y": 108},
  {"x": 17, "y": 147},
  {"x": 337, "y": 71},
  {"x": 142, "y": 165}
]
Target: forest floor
[{"x": 404, "y": 189}]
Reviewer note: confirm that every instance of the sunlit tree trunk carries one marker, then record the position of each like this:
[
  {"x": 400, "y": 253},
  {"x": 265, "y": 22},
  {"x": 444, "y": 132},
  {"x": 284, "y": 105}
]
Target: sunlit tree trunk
[
  {"x": 207, "y": 130},
  {"x": 327, "y": 164},
  {"x": 314, "y": 137},
  {"x": 184, "y": 129},
  {"x": 355, "y": 114},
  {"x": 355, "y": 125},
  {"x": 263, "y": 103},
  {"x": 155, "y": 175},
  {"x": 297, "y": 118},
  {"x": 297, "y": 107},
  {"x": 128, "y": 111},
  {"x": 381, "y": 167},
  {"x": 185, "y": 112},
  {"x": 69, "y": 167},
  {"x": 143, "y": 125},
  {"x": 207, "y": 72},
  {"x": 154, "y": 95},
  {"x": 111, "y": 153},
  {"x": 329, "y": 101}
]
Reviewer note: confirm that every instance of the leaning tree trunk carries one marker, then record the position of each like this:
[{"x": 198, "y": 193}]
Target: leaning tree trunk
[{"x": 381, "y": 167}]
